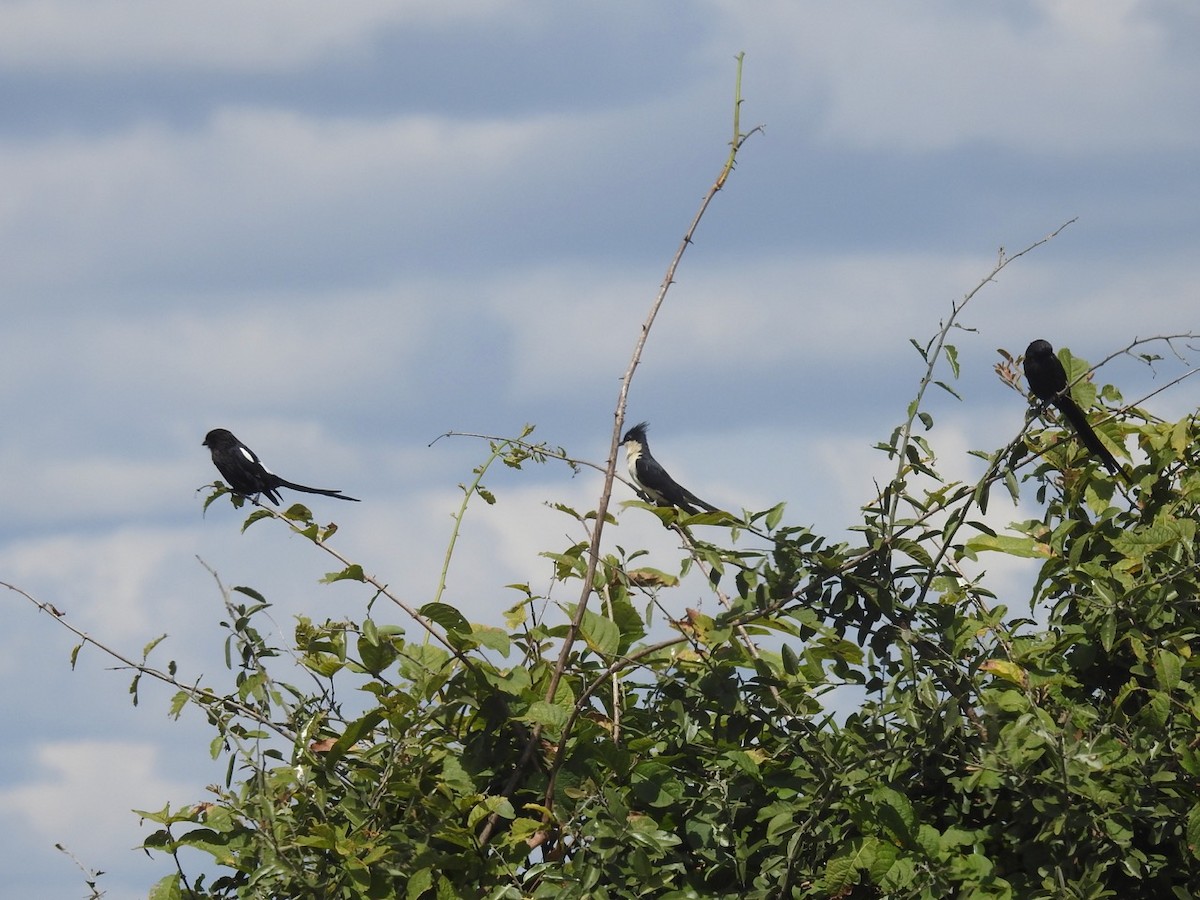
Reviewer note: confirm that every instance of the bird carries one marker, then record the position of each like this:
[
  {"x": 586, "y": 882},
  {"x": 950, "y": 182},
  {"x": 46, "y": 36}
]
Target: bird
[
  {"x": 652, "y": 479},
  {"x": 1048, "y": 382},
  {"x": 241, "y": 467}
]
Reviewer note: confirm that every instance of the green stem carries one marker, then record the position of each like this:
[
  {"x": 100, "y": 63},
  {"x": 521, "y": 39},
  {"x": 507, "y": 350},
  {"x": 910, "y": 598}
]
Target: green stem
[{"x": 468, "y": 492}]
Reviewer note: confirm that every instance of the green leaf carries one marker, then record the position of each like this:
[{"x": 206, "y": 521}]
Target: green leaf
[
  {"x": 774, "y": 516},
  {"x": 375, "y": 655},
  {"x": 488, "y": 806},
  {"x": 418, "y": 883},
  {"x": 256, "y": 516},
  {"x": 840, "y": 873},
  {"x": 324, "y": 664},
  {"x": 1157, "y": 711},
  {"x": 895, "y": 813},
  {"x": 447, "y": 616},
  {"x": 791, "y": 663},
  {"x": 1108, "y": 630},
  {"x": 930, "y": 841},
  {"x": 884, "y": 857},
  {"x": 162, "y": 817},
  {"x": 251, "y": 593},
  {"x": 1193, "y": 831},
  {"x": 350, "y": 573},
  {"x": 547, "y": 714},
  {"x": 646, "y": 576},
  {"x": 1169, "y": 668},
  {"x": 949, "y": 390},
  {"x": 178, "y": 701},
  {"x": 952, "y": 357},
  {"x": 655, "y": 784},
  {"x": 1011, "y": 544},
  {"x": 1012, "y": 486},
  {"x": 515, "y": 681},
  {"x": 914, "y": 550},
  {"x": 1180, "y": 437},
  {"x": 219, "y": 490},
  {"x": 166, "y": 888},
  {"x": 298, "y": 512},
  {"x": 1006, "y": 669},
  {"x": 600, "y": 633},
  {"x": 493, "y": 638},
  {"x": 208, "y": 841},
  {"x": 1138, "y": 543}
]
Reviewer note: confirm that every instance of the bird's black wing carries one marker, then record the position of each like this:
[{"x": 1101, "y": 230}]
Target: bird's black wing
[
  {"x": 244, "y": 472},
  {"x": 655, "y": 479}
]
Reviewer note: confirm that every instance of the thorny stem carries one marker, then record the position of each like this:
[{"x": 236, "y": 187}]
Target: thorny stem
[{"x": 593, "y": 556}]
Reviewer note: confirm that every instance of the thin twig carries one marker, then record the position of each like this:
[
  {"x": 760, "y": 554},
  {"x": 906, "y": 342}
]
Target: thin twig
[
  {"x": 424, "y": 621},
  {"x": 933, "y": 355},
  {"x": 204, "y": 699},
  {"x": 593, "y": 555}
]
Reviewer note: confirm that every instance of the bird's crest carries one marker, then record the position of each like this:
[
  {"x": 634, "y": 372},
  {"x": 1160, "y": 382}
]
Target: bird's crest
[{"x": 636, "y": 433}]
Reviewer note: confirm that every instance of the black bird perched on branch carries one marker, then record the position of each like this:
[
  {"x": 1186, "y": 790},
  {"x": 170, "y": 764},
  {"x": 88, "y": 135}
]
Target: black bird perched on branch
[
  {"x": 1048, "y": 382},
  {"x": 652, "y": 478},
  {"x": 240, "y": 466}
]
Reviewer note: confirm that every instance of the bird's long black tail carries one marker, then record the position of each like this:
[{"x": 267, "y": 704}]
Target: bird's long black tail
[
  {"x": 1070, "y": 409},
  {"x": 312, "y": 490},
  {"x": 696, "y": 501}
]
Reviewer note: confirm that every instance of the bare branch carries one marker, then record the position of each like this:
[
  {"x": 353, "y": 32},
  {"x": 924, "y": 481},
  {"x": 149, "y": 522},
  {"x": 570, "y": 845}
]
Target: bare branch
[{"x": 593, "y": 556}]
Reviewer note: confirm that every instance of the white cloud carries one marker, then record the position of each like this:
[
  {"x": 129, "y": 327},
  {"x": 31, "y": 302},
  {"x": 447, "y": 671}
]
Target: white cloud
[
  {"x": 94, "y": 781},
  {"x": 135, "y": 306},
  {"x": 267, "y": 36},
  {"x": 89, "y": 486},
  {"x": 799, "y": 313},
  {"x": 106, "y": 581},
  {"x": 249, "y": 187},
  {"x": 1050, "y": 76},
  {"x": 793, "y": 311},
  {"x": 238, "y": 351}
]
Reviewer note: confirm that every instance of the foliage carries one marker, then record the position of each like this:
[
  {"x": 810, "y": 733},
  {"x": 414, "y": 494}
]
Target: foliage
[
  {"x": 862, "y": 719},
  {"x": 988, "y": 753}
]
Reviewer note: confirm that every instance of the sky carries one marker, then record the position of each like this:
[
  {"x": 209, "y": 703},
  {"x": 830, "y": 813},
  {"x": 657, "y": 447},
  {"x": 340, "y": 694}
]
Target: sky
[{"x": 342, "y": 230}]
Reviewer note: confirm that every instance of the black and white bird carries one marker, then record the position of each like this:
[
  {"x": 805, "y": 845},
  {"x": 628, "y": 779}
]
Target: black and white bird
[
  {"x": 652, "y": 478},
  {"x": 1048, "y": 382},
  {"x": 245, "y": 473}
]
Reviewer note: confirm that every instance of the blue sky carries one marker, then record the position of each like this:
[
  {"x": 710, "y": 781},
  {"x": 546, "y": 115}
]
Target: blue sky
[{"x": 340, "y": 231}]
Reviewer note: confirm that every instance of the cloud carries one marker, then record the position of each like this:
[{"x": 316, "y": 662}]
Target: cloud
[
  {"x": 338, "y": 231},
  {"x": 1043, "y": 76},
  {"x": 111, "y": 580},
  {"x": 94, "y": 781},
  {"x": 250, "y": 191},
  {"x": 787, "y": 312},
  {"x": 235, "y": 352},
  {"x": 803, "y": 316},
  {"x": 269, "y": 36}
]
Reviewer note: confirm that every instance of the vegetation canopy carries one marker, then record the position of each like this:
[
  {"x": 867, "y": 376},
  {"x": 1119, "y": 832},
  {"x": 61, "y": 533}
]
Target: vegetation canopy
[{"x": 855, "y": 718}]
